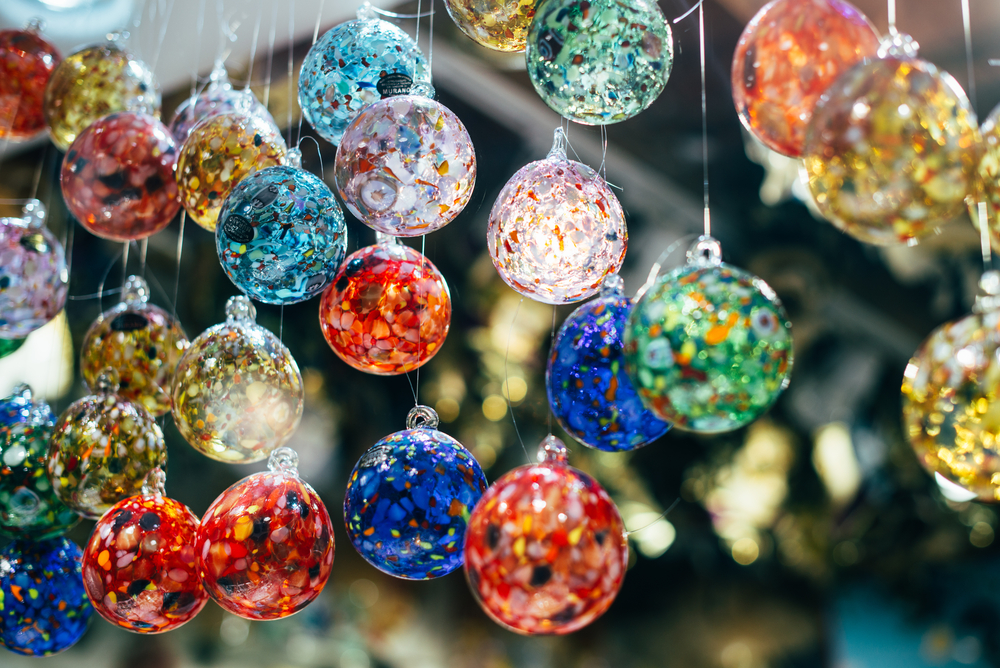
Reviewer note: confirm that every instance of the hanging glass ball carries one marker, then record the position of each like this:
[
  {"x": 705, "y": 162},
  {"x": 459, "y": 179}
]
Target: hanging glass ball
[
  {"x": 45, "y": 609},
  {"x": 891, "y": 149},
  {"x": 103, "y": 449},
  {"x": 237, "y": 391},
  {"x": 409, "y": 498},
  {"x": 388, "y": 310},
  {"x": 19, "y": 407},
  {"x": 708, "y": 346},
  {"x": 141, "y": 342},
  {"x": 501, "y": 25},
  {"x": 265, "y": 546},
  {"x": 118, "y": 177},
  {"x": 282, "y": 236},
  {"x": 556, "y": 229},
  {"x": 26, "y": 61},
  {"x": 353, "y": 65},
  {"x": 789, "y": 54},
  {"x": 219, "y": 97},
  {"x": 599, "y": 62},
  {"x": 406, "y": 165},
  {"x": 33, "y": 273},
  {"x": 590, "y": 394},
  {"x": 221, "y": 151},
  {"x": 10, "y": 346},
  {"x": 94, "y": 82},
  {"x": 140, "y": 569},
  {"x": 545, "y": 551}
]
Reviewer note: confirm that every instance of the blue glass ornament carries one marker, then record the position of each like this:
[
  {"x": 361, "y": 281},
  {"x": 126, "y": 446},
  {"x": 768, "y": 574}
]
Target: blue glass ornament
[
  {"x": 281, "y": 236},
  {"x": 351, "y": 66},
  {"x": 18, "y": 408},
  {"x": 45, "y": 608},
  {"x": 589, "y": 391},
  {"x": 409, "y": 499}
]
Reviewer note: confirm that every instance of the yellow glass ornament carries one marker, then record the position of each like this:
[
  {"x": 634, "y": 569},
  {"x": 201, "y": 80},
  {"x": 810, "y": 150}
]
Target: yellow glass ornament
[{"x": 501, "y": 25}]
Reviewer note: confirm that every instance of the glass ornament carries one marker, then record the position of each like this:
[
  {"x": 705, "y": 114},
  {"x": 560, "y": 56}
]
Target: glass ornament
[
  {"x": 118, "y": 177},
  {"x": 282, "y": 236},
  {"x": 501, "y": 25},
  {"x": 19, "y": 407},
  {"x": 388, "y": 310},
  {"x": 94, "y": 82},
  {"x": 219, "y": 152},
  {"x": 891, "y": 149},
  {"x": 599, "y": 62},
  {"x": 409, "y": 498},
  {"x": 140, "y": 569},
  {"x": 590, "y": 394},
  {"x": 103, "y": 449},
  {"x": 26, "y": 63},
  {"x": 141, "y": 342},
  {"x": 556, "y": 229},
  {"x": 789, "y": 54},
  {"x": 545, "y": 551},
  {"x": 237, "y": 391},
  {"x": 708, "y": 346},
  {"x": 44, "y": 607},
  {"x": 10, "y": 346},
  {"x": 218, "y": 97},
  {"x": 353, "y": 65},
  {"x": 987, "y": 178},
  {"x": 265, "y": 546},
  {"x": 33, "y": 273},
  {"x": 406, "y": 165}
]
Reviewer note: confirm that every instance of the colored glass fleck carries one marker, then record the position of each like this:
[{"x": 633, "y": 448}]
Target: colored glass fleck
[
  {"x": 501, "y": 25},
  {"x": 26, "y": 63}
]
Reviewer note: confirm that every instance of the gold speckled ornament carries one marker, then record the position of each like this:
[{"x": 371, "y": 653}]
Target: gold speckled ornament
[
  {"x": 237, "y": 391},
  {"x": 496, "y": 24}
]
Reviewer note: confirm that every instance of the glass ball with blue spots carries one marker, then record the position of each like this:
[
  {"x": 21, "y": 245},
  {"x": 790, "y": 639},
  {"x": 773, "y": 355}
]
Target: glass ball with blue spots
[
  {"x": 409, "y": 499},
  {"x": 281, "y": 236},
  {"x": 44, "y": 606},
  {"x": 19, "y": 407},
  {"x": 589, "y": 391}
]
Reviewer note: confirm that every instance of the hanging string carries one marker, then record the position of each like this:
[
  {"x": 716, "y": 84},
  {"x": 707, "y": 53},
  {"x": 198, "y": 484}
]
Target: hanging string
[
  {"x": 552, "y": 341},
  {"x": 291, "y": 66},
  {"x": 38, "y": 170},
  {"x": 892, "y": 17},
  {"x": 704, "y": 117},
  {"x": 143, "y": 248},
  {"x": 270, "y": 55},
  {"x": 662, "y": 515},
  {"x": 253, "y": 47},
  {"x": 423, "y": 251},
  {"x": 416, "y": 35},
  {"x": 180, "y": 250},
  {"x": 430, "y": 44},
  {"x": 197, "y": 48},
  {"x": 125, "y": 263},
  {"x": 404, "y": 16},
  {"x": 506, "y": 379},
  {"x": 281, "y": 325},
  {"x": 162, "y": 36},
  {"x": 319, "y": 19},
  {"x": 319, "y": 152},
  {"x": 984, "y": 222}
]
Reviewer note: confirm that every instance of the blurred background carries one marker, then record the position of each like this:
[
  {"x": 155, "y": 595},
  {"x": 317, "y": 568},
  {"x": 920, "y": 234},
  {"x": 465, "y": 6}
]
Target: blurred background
[{"x": 810, "y": 539}]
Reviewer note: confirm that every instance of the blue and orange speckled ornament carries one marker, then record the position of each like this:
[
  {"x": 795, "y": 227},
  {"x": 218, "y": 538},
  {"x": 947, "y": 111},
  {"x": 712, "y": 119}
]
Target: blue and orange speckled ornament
[
  {"x": 281, "y": 236},
  {"x": 708, "y": 346},
  {"x": 409, "y": 498},
  {"x": 590, "y": 394},
  {"x": 44, "y": 607}
]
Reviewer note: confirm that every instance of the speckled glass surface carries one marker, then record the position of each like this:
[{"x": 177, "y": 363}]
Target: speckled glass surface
[
  {"x": 33, "y": 274},
  {"x": 987, "y": 178},
  {"x": 19, "y": 407},
  {"x": 599, "y": 61},
  {"x": 44, "y": 608},
  {"x": 141, "y": 342},
  {"x": 26, "y": 63},
  {"x": 406, "y": 166},
  {"x": 265, "y": 546},
  {"x": 556, "y": 230},
  {"x": 219, "y": 97},
  {"x": 343, "y": 70},
  {"x": 118, "y": 177},
  {"x": 708, "y": 347},
  {"x": 218, "y": 153},
  {"x": 501, "y": 25},
  {"x": 388, "y": 310},
  {"x": 545, "y": 551},
  {"x": 140, "y": 569},
  {"x": 789, "y": 54},
  {"x": 94, "y": 82},
  {"x": 891, "y": 151},
  {"x": 589, "y": 392},
  {"x": 409, "y": 498},
  {"x": 282, "y": 236},
  {"x": 237, "y": 391}
]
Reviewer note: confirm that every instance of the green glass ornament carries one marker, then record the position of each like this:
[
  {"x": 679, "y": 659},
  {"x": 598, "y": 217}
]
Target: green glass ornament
[{"x": 9, "y": 346}]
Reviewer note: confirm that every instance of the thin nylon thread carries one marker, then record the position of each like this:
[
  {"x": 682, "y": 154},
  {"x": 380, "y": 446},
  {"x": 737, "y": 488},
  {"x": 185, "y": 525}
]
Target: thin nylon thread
[
  {"x": 662, "y": 515},
  {"x": 319, "y": 18},
  {"x": 291, "y": 66},
  {"x": 270, "y": 55},
  {"x": 984, "y": 222},
  {"x": 506, "y": 379},
  {"x": 253, "y": 47}
]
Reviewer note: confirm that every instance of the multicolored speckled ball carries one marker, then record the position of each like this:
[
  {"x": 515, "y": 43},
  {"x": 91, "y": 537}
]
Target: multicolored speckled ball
[
  {"x": 501, "y": 25},
  {"x": 282, "y": 236},
  {"x": 590, "y": 394},
  {"x": 545, "y": 551},
  {"x": 409, "y": 498},
  {"x": 599, "y": 61},
  {"x": 265, "y": 546},
  {"x": 708, "y": 346},
  {"x": 19, "y": 407},
  {"x": 353, "y": 65},
  {"x": 44, "y": 607},
  {"x": 26, "y": 63}
]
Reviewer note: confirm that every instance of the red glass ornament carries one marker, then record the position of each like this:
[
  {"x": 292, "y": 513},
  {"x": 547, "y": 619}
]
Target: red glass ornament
[
  {"x": 118, "y": 177},
  {"x": 140, "y": 569},
  {"x": 26, "y": 62},
  {"x": 545, "y": 551},
  {"x": 265, "y": 546}
]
